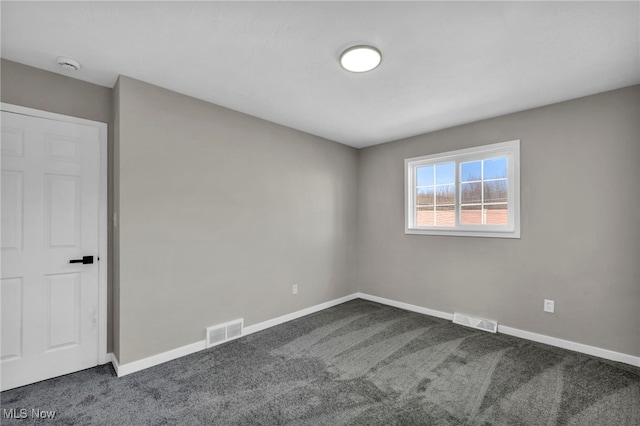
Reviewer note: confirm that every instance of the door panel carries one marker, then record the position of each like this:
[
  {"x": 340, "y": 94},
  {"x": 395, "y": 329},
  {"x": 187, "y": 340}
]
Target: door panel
[
  {"x": 12, "y": 142},
  {"x": 11, "y": 319},
  {"x": 62, "y": 195},
  {"x": 12, "y": 210},
  {"x": 63, "y": 309},
  {"x": 50, "y": 207},
  {"x": 60, "y": 148}
]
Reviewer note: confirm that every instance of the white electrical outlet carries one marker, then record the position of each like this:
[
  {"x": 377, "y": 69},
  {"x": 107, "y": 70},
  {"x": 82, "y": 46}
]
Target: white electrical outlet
[
  {"x": 549, "y": 305},
  {"x": 294, "y": 289}
]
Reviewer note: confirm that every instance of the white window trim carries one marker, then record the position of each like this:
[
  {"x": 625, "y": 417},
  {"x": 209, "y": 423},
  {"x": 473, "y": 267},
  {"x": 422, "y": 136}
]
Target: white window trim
[{"x": 510, "y": 149}]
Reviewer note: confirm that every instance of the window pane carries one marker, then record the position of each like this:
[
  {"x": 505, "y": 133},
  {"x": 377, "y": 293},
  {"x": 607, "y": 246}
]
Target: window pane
[
  {"x": 424, "y": 196},
  {"x": 464, "y": 192},
  {"x": 495, "y": 168},
  {"x": 471, "y": 171},
  {"x": 471, "y": 192},
  {"x": 471, "y": 215},
  {"x": 445, "y": 194},
  {"x": 496, "y": 214},
  {"x": 495, "y": 191},
  {"x": 445, "y": 173},
  {"x": 425, "y": 216},
  {"x": 445, "y": 216},
  {"x": 424, "y": 176}
]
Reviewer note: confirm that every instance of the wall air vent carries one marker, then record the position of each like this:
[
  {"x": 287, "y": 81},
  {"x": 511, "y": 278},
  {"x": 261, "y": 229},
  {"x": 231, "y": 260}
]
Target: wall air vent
[
  {"x": 221, "y": 333},
  {"x": 479, "y": 323}
]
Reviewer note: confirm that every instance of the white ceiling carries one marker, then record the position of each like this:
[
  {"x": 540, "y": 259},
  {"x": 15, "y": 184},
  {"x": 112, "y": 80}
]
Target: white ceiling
[{"x": 444, "y": 63}]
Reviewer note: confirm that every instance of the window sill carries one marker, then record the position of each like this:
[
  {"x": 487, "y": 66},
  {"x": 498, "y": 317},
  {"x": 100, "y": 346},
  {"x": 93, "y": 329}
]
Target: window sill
[{"x": 459, "y": 233}]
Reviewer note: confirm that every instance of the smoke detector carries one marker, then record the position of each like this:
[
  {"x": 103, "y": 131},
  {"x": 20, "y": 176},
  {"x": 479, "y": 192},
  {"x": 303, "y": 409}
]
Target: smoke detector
[{"x": 68, "y": 64}]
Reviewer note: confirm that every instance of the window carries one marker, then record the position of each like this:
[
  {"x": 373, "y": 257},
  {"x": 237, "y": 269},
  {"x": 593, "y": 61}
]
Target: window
[{"x": 472, "y": 192}]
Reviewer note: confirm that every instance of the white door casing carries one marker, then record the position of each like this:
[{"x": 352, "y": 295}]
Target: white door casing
[{"x": 53, "y": 312}]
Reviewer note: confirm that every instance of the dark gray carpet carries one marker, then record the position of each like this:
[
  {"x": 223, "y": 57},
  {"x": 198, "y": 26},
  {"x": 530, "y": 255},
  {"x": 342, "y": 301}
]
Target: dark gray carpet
[{"x": 358, "y": 363}]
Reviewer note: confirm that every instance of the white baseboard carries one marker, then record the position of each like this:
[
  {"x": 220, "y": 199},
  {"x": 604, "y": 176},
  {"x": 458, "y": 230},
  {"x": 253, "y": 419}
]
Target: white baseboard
[
  {"x": 132, "y": 367},
  {"x": 541, "y": 338},
  {"x": 406, "y": 306},
  {"x": 294, "y": 315},
  {"x": 113, "y": 359},
  {"x": 573, "y": 346},
  {"x": 142, "y": 364}
]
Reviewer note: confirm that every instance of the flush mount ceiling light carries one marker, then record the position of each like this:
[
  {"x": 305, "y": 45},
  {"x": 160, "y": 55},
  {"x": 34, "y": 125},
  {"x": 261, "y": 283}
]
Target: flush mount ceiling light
[{"x": 360, "y": 58}]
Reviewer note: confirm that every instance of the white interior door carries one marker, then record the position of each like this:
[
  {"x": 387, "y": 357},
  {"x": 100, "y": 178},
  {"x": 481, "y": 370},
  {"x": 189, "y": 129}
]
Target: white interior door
[{"x": 50, "y": 210}]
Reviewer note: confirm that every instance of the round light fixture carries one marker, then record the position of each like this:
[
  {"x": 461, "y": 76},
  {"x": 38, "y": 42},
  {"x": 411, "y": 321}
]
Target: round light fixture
[{"x": 360, "y": 58}]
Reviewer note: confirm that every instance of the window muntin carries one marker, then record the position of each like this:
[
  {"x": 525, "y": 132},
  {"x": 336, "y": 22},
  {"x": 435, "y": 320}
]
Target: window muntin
[
  {"x": 473, "y": 192},
  {"x": 484, "y": 192},
  {"x": 435, "y": 195}
]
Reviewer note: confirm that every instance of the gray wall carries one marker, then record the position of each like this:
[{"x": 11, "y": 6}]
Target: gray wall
[
  {"x": 197, "y": 249},
  {"x": 220, "y": 214},
  {"x": 34, "y": 88},
  {"x": 580, "y": 223}
]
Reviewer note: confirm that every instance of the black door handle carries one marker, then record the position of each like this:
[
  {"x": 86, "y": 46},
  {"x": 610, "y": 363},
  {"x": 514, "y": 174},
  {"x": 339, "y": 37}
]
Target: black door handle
[{"x": 86, "y": 260}]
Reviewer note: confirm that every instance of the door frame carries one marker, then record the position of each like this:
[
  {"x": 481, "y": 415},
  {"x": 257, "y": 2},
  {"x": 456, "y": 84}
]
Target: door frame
[{"x": 103, "y": 251}]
